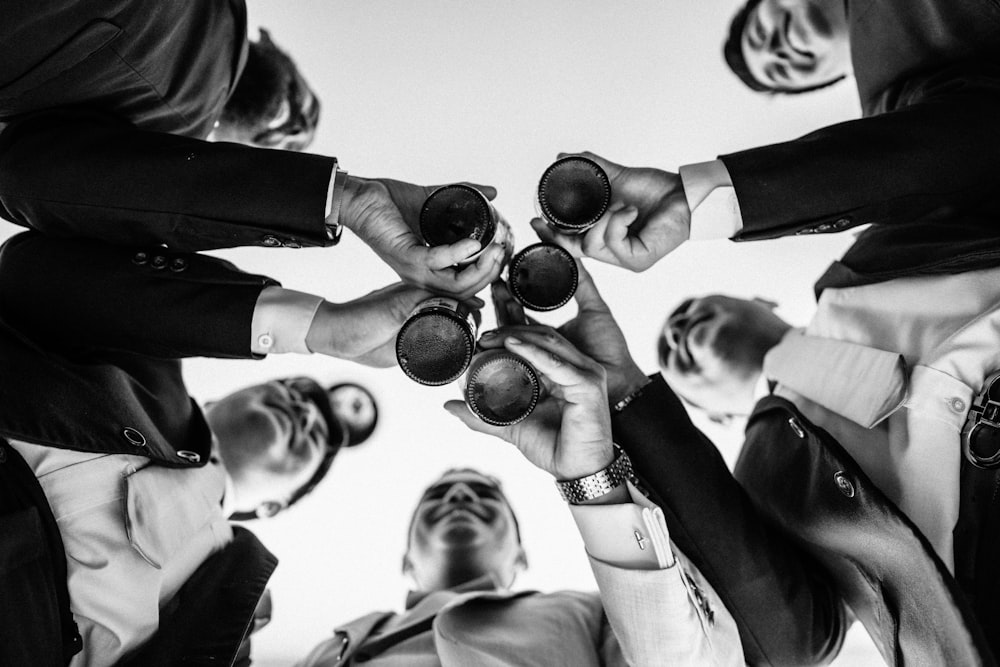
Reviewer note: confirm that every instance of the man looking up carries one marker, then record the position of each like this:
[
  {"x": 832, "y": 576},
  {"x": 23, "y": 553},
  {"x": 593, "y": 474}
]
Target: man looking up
[
  {"x": 115, "y": 490},
  {"x": 924, "y": 171},
  {"x": 464, "y": 551}
]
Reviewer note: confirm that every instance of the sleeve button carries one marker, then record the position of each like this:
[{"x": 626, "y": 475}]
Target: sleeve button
[
  {"x": 134, "y": 437},
  {"x": 140, "y": 258},
  {"x": 158, "y": 262},
  {"x": 178, "y": 264},
  {"x": 190, "y": 456},
  {"x": 271, "y": 241}
]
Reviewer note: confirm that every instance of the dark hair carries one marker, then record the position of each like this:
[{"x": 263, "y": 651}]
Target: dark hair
[
  {"x": 354, "y": 436},
  {"x": 337, "y": 437},
  {"x": 262, "y": 85},
  {"x": 732, "y": 51}
]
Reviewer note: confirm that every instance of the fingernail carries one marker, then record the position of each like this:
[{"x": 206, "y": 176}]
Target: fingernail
[
  {"x": 489, "y": 334},
  {"x": 513, "y": 341}
]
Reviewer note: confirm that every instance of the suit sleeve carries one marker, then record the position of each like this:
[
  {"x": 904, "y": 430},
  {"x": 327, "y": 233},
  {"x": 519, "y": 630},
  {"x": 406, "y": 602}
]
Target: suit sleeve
[
  {"x": 934, "y": 155},
  {"x": 85, "y": 296},
  {"x": 85, "y": 173},
  {"x": 784, "y": 604}
]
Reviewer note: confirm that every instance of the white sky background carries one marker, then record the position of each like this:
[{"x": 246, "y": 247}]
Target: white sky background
[{"x": 437, "y": 91}]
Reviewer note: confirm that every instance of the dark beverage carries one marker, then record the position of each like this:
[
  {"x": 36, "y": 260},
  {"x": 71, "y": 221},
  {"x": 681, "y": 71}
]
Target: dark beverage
[
  {"x": 455, "y": 212},
  {"x": 573, "y": 194},
  {"x": 501, "y": 388},
  {"x": 543, "y": 276},
  {"x": 435, "y": 344}
]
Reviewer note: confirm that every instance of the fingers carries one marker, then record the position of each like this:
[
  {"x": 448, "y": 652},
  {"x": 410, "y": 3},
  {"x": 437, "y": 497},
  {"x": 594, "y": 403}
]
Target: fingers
[
  {"x": 554, "y": 356},
  {"x": 507, "y": 309},
  {"x": 587, "y": 296},
  {"x": 572, "y": 244},
  {"x": 488, "y": 191},
  {"x": 460, "y": 410},
  {"x": 446, "y": 256}
]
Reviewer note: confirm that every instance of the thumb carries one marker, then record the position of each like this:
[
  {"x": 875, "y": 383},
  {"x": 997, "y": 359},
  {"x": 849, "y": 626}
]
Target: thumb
[
  {"x": 443, "y": 256},
  {"x": 460, "y": 410},
  {"x": 587, "y": 296}
]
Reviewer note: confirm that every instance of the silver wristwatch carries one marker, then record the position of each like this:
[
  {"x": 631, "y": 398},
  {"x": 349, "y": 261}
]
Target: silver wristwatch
[{"x": 602, "y": 482}]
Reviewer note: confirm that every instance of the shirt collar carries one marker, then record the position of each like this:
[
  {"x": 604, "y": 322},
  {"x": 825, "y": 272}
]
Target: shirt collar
[{"x": 484, "y": 583}]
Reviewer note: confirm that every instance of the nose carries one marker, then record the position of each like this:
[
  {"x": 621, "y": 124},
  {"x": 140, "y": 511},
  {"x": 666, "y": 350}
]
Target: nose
[{"x": 460, "y": 492}]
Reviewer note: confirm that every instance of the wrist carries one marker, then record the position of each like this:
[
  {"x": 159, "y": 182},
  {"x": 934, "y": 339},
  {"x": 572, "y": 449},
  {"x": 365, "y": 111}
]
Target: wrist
[
  {"x": 355, "y": 191},
  {"x": 319, "y": 339},
  {"x": 627, "y": 384},
  {"x": 602, "y": 486}
]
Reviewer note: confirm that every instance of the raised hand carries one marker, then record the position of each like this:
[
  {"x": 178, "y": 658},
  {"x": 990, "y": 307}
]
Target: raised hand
[
  {"x": 569, "y": 432},
  {"x": 647, "y": 219},
  {"x": 385, "y": 214},
  {"x": 364, "y": 330}
]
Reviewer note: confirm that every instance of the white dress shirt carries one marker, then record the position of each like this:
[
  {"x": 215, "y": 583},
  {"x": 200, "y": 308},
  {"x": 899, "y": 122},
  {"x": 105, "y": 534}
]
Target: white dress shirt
[
  {"x": 133, "y": 534},
  {"x": 947, "y": 331}
]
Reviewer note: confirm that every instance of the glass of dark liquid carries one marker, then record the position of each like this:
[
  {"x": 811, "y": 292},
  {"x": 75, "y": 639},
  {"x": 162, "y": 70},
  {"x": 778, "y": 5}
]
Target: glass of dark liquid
[
  {"x": 542, "y": 276},
  {"x": 436, "y": 342},
  {"x": 573, "y": 194},
  {"x": 455, "y": 212}
]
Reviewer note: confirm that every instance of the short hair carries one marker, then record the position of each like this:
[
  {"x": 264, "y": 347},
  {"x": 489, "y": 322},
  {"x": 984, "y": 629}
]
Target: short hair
[
  {"x": 337, "y": 437},
  {"x": 732, "y": 51},
  {"x": 262, "y": 85},
  {"x": 496, "y": 483}
]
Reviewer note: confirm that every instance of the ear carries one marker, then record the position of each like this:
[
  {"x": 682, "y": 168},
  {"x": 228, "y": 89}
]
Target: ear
[
  {"x": 265, "y": 37},
  {"x": 269, "y": 508},
  {"x": 407, "y": 565},
  {"x": 521, "y": 562}
]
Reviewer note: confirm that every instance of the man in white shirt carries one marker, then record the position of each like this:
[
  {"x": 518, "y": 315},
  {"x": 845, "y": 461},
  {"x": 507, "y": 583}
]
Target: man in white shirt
[
  {"x": 889, "y": 372},
  {"x": 121, "y": 475},
  {"x": 464, "y": 551}
]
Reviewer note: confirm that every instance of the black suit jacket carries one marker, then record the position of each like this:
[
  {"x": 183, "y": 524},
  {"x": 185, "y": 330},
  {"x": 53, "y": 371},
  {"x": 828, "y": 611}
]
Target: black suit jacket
[
  {"x": 797, "y": 532},
  {"x": 90, "y": 353},
  {"x": 920, "y": 167},
  {"x": 107, "y": 104}
]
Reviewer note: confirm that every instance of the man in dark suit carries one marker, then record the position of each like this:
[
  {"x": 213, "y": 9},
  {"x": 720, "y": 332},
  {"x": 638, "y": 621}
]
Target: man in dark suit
[
  {"x": 919, "y": 174},
  {"x": 100, "y": 434},
  {"x": 108, "y": 106}
]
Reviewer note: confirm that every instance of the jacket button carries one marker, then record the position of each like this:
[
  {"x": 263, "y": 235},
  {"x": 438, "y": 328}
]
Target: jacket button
[
  {"x": 844, "y": 484},
  {"x": 193, "y": 457},
  {"x": 797, "y": 427},
  {"x": 178, "y": 264},
  {"x": 134, "y": 437},
  {"x": 158, "y": 262},
  {"x": 807, "y": 230},
  {"x": 140, "y": 258},
  {"x": 825, "y": 227},
  {"x": 841, "y": 223},
  {"x": 271, "y": 241}
]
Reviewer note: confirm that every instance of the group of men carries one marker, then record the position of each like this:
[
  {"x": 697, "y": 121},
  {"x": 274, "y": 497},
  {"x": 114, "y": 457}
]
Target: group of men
[{"x": 137, "y": 133}]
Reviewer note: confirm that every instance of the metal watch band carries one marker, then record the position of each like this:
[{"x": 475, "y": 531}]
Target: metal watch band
[{"x": 602, "y": 482}]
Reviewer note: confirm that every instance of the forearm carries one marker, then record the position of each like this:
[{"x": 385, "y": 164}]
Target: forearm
[
  {"x": 85, "y": 295},
  {"x": 784, "y": 605},
  {"x": 938, "y": 151},
  {"x": 85, "y": 173}
]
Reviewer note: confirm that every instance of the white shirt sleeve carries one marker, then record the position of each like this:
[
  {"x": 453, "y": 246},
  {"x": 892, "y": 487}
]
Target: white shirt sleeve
[
  {"x": 281, "y": 320},
  {"x": 715, "y": 211},
  {"x": 628, "y": 535}
]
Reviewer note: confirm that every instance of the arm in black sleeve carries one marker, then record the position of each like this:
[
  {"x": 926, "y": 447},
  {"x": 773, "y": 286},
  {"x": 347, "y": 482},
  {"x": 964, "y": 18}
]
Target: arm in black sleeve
[
  {"x": 932, "y": 156},
  {"x": 84, "y": 296},
  {"x": 84, "y": 173},
  {"x": 784, "y": 604}
]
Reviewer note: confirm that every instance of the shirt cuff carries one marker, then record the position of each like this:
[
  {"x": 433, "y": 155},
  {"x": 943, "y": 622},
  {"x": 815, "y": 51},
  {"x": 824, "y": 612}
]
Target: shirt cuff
[
  {"x": 281, "y": 321},
  {"x": 711, "y": 198},
  {"x": 628, "y": 535},
  {"x": 334, "y": 200}
]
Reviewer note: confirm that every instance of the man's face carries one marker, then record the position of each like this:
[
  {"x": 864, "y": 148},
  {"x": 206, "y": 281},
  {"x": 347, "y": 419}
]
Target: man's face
[
  {"x": 271, "y": 438},
  {"x": 463, "y": 528},
  {"x": 712, "y": 350},
  {"x": 797, "y": 44},
  {"x": 272, "y": 106}
]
